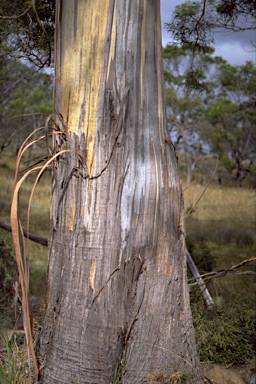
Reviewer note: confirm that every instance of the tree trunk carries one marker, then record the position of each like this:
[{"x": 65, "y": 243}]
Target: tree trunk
[{"x": 118, "y": 303}]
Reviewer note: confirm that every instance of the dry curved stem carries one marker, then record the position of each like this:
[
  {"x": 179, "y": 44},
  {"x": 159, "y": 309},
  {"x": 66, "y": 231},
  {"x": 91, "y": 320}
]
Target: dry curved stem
[
  {"x": 26, "y": 144},
  {"x": 223, "y": 272},
  {"x": 191, "y": 209},
  {"x": 18, "y": 240},
  {"x": 41, "y": 170},
  {"x": 19, "y": 16},
  {"x": 26, "y": 115},
  {"x": 18, "y": 237},
  {"x": 187, "y": 187}
]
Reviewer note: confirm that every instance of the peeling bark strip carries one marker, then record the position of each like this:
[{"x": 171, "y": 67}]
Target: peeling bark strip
[{"x": 117, "y": 290}]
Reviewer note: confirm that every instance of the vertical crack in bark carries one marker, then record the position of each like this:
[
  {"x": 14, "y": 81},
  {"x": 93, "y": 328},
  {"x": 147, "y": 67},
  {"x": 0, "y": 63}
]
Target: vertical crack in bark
[
  {"x": 120, "y": 123},
  {"x": 120, "y": 368},
  {"x": 133, "y": 319}
]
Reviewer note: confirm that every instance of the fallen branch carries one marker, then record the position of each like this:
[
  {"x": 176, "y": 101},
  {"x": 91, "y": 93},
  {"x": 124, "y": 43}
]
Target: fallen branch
[{"x": 28, "y": 234}]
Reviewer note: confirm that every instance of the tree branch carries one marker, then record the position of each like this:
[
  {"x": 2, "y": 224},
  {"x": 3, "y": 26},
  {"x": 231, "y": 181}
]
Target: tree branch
[
  {"x": 19, "y": 16},
  {"x": 28, "y": 234}
]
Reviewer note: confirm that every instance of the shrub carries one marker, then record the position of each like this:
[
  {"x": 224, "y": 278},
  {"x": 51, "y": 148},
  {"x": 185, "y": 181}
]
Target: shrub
[
  {"x": 13, "y": 366},
  {"x": 201, "y": 254},
  {"x": 225, "y": 334}
]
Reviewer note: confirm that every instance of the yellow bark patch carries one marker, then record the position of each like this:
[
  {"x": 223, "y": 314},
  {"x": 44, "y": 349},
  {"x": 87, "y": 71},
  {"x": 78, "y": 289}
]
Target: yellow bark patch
[
  {"x": 170, "y": 270},
  {"x": 112, "y": 43},
  {"x": 92, "y": 274},
  {"x": 82, "y": 55},
  {"x": 72, "y": 216}
]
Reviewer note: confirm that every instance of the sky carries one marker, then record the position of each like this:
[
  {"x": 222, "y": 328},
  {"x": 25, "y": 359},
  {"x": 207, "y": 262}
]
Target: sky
[{"x": 236, "y": 48}]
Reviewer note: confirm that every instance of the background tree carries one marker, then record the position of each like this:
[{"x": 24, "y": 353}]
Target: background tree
[
  {"x": 231, "y": 119},
  {"x": 227, "y": 126},
  {"x": 187, "y": 95},
  {"x": 118, "y": 304},
  {"x": 27, "y": 30},
  {"x": 193, "y": 25},
  {"x": 184, "y": 104},
  {"x": 25, "y": 101}
]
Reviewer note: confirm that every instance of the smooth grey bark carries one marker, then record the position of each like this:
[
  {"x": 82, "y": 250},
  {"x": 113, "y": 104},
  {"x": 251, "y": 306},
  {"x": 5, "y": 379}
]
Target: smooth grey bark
[{"x": 117, "y": 288}]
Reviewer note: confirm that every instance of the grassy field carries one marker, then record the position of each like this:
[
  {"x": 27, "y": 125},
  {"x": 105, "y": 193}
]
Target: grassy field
[{"x": 220, "y": 233}]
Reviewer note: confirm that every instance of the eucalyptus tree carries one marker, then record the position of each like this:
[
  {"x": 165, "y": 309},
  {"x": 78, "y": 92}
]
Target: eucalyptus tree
[
  {"x": 230, "y": 119},
  {"x": 185, "y": 100},
  {"x": 193, "y": 23},
  {"x": 27, "y": 30},
  {"x": 118, "y": 302}
]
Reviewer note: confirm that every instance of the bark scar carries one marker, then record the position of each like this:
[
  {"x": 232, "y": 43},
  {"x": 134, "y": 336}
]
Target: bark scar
[
  {"x": 134, "y": 318},
  {"x": 101, "y": 289}
]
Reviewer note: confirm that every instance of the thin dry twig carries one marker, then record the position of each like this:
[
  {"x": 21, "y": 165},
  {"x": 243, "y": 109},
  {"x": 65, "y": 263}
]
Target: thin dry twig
[
  {"x": 44, "y": 31},
  {"x": 223, "y": 272},
  {"x": 19, "y": 16},
  {"x": 187, "y": 187}
]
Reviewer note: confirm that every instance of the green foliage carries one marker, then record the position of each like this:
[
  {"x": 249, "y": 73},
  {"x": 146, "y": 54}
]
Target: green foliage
[
  {"x": 189, "y": 29},
  {"x": 181, "y": 73},
  {"x": 225, "y": 334},
  {"x": 184, "y": 101},
  {"x": 13, "y": 367},
  {"x": 202, "y": 255},
  {"x": 193, "y": 24},
  {"x": 27, "y": 30},
  {"x": 25, "y": 93},
  {"x": 218, "y": 115},
  {"x": 195, "y": 80},
  {"x": 230, "y": 11},
  {"x": 231, "y": 118},
  {"x": 171, "y": 51},
  {"x": 119, "y": 373}
]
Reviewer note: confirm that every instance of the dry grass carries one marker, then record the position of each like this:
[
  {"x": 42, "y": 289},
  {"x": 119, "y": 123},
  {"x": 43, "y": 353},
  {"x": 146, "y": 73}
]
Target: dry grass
[
  {"x": 222, "y": 203},
  {"x": 224, "y": 214},
  {"x": 163, "y": 377},
  {"x": 225, "y": 220}
]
